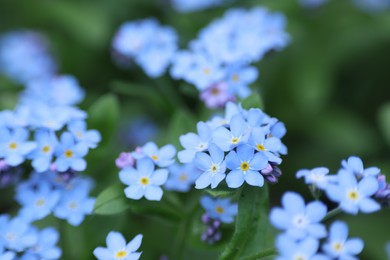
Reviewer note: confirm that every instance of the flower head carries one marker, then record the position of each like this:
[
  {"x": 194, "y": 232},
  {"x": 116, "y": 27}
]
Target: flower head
[
  {"x": 118, "y": 249},
  {"x": 219, "y": 209}
]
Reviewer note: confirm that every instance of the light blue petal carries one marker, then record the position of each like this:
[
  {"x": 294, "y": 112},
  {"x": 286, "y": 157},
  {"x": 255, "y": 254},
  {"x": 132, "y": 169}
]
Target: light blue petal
[
  {"x": 189, "y": 140},
  {"x": 203, "y": 181},
  {"x": 67, "y": 139},
  {"x": 134, "y": 192},
  {"x": 245, "y": 152},
  {"x": 371, "y": 171},
  {"x": 254, "y": 178},
  {"x": 216, "y": 154},
  {"x": 347, "y": 179},
  {"x": 258, "y": 162},
  {"x": 80, "y": 149},
  {"x": 338, "y": 231},
  {"x": 216, "y": 179},
  {"x": 273, "y": 144},
  {"x": 293, "y": 203},
  {"x": 186, "y": 156},
  {"x": 368, "y": 186},
  {"x": 232, "y": 161},
  {"x": 159, "y": 177},
  {"x": 150, "y": 148},
  {"x": 207, "y": 202},
  {"x": 235, "y": 179},
  {"x": 334, "y": 193},
  {"x": 368, "y": 205},
  {"x": 115, "y": 241},
  {"x": 315, "y": 211},
  {"x": 354, "y": 246},
  {"x": 356, "y": 164},
  {"x": 145, "y": 166},
  {"x": 153, "y": 192},
  {"x": 134, "y": 244},
  {"x": 75, "y": 219},
  {"x": 349, "y": 207},
  {"x": 280, "y": 218},
  {"x": 202, "y": 161},
  {"x": 134, "y": 256},
  {"x": 204, "y": 131},
  {"x": 52, "y": 253},
  {"x": 102, "y": 253},
  {"x": 14, "y": 159},
  {"x": 20, "y": 134},
  {"x": 222, "y": 137},
  {"x": 167, "y": 152},
  {"x": 317, "y": 230},
  {"x": 238, "y": 126},
  {"x": 309, "y": 246},
  {"x": 286, "y": 246},
  {"x": 129, "y": 176}
]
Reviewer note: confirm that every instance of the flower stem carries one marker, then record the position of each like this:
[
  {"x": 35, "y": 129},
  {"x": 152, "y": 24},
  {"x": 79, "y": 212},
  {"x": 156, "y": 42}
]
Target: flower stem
[
  {"x": 332, "y": 213},
  {"x": 265, "y": 253}
]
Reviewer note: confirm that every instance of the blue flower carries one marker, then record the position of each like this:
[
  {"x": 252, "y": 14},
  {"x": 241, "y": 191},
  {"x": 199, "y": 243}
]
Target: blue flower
[
  {"x": 70, "y": 154},
  {"x": 194, "y": 143},
  {"x": 213, "y": 167},
  {"x": 144, "y": 181},
  {"x": 45, "y": 248},
  {"x": 74, "y": 205},
  {"x": 13, "y": 145},
  {"x": 194, "y": 5},
  {"x": 43, "y": 154},
  {"x": 239, "y": 77},
  {"x": 352, "y": 195},
  {"x": 162, "y": 157},
  {"x": 89, "y": 137},
  {"x": 118, "y": 249},
  {"x": 229, "y": 139},
  {"x": 339, "y": 246},
  {"x": 317, "y": 176},
  {"x": 355, "y": 165},
  {"x": 306, "y": 248},
  {"x": 7, "y": 255},
  {"x": 267, "y": 146},
  {"x": 37, "y": 203},
  {"x": 219, "y": 209},
  {"x": 16, "y": 234},
  {"x": 245, "y": 165},
  {"x": 181, "y": 177},
  {"x": 297, "y": 219}
]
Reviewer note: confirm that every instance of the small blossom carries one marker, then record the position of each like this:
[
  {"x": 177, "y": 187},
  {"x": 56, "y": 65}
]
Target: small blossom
[
  {"x": 194, "y": 143},
  {"x": 70, "y": 154},
  {"x": 306, "y": 248},
  {"x": 355, "y": 165},
  {"x": 216, "y": 95},
  {"x": 118, "y": 249},
  {"x": 124, "y": 160},
  {"x": 45, "y": 248},
  {"x": 162, "y": 157},
  {"x": 317, "y": 176},
  {"x": 79, "y": 130},
  {"x": 181, "y": 177},
  {"x": 219, "y": 209}
]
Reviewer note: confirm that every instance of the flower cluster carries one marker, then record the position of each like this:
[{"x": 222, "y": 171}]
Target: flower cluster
[
  {"x": 244, "y": 143},
  {"x": 185, "y": 6},
  {"x": 303, "y": 232},
  {"x": 118, "y": 249},
  {"x": 353, "y": 188},
  {"x": 19, "y": 238},
  {"x": 217, "y": 211},
  {"x": 218, "y": 61},
  {"x": 147, "y": 43},
  {"x": 138, "y": 170}
]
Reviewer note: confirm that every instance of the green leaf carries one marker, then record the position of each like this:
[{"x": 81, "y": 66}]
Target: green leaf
[
  {"x": 221, "y": 192},
  {"x": 181, "y": 123},
  {"x": 384, "y": 121},
  {"x": 251, "y": 234},
  {"x": 253, "y": 101},
  {"x": 104, "y": 116},
  {"x": 160, "y": 209},
  {"x": 111, "y": 201}
]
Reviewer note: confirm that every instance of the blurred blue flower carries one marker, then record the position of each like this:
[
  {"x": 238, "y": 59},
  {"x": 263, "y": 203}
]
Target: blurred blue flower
[
  {"x": 70, "y": 154},
  {"x": 338, "y": 246},
  {"x": 194, "y": 143},
  {"x": 354, "y": 196},
  {"x": 14, "y": 146},
  {"x": 217, "y": 95},
  {"x": 46, "y": 144},
  {"x": 74, "y": 205},
  {"x": 144, "y": 181},
  {"x": 212, "y": 165},
  {"x": 45, "y": 247},
  {"x": 124, "y": 160},
  {"x": 219, "y": 209},
  {"x": 355, "y": 165},
  {"x": 239, "y": 79},
  {"x": 37, "y": 202},
  {"x": 297, "y": 219},
  {"x": 162, "y": 157},
  {"x": 6, "y": 255},
  {"x": 181, "y": 177},
  {"x": 194, "y": 5},
  {"x": 306, "y": 248},
  {"x": 16, "y": 234},
  {"x": 245, "y": 165},
  {"x": 89, "y": 137},
  {"x": 317, "y": 176},
  {"x": 118, "y": 249}
]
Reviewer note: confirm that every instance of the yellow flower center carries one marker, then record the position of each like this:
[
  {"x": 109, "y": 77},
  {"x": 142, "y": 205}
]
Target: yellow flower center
[
  {"x": 219, "y": 210},
  {"x": 68, "y": 153},
  {"x": 13, "y": 146},
  {"x": 46, "y": 149},
  {"x": 154, "y": 157},
  {"x": 183, "y": 177},
  {"x": 235, "y": 140},
  {"x": 73, "y": 205},
  {"x": 337, "y": 246},
  {"x": 79, "y": 134},
  {"x": 214, "y": 168},
  {"x": 353, "y": 195},
  {"x": 236, "y": 77},
  {"x": 260, "y": 147},
  {"x": 244, "y": 166},
  {"x": 206, "y": 71},
  {"x": 144, "y": 181},
  {"x": 215, "y": 91},
  {"x": 120, "y": 254},
  {"x": 299, "y": 257},
  {"x": 40, "y": 202}
]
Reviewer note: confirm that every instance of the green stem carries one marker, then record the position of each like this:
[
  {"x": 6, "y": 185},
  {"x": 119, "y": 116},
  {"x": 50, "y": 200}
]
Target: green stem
[
  {"x": 332, "y": 213},
  {"x": 265, "y": 253}
]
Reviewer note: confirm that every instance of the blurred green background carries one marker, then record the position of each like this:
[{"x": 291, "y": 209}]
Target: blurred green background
[{"x": 330, "y": 86}]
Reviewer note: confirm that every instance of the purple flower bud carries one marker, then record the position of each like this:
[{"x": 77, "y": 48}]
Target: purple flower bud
[
  {"x": 217, "y": 95},
  {"x": 216, "y": 223},
  {"x": 205, "y": 218},
  {"x": 124, "y": 160}
]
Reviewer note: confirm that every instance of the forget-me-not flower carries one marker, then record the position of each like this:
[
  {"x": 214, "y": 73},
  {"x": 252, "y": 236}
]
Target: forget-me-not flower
[
  {"x": 45, "y": 248},
  {"x": 338, "y": 246},
  {"x": 46, "y": 144},
  {"x": 297, "y": 219},
  {"x": 212, "y": 165},
  {"x": 162, "y": 157},
  {"x": 220, "y": 209},
  {"x": 354, "y": 196},
  {"x": 70, "y": 154},
  {"x": 144, "y": 181},
  {"x": 194, "y": 143},
  {"x": 16, "y": 234},
  {"x": 268, "y": 146},
  {"x": 355, "y": 165},
  {"x": 305, "y": 249},
  {"x": 118, "y": 249},
  {"x": 245, "y": 165},
  {"x": 89, "y": 137},
  {"x": 181, "y": 177},
  {"x": 317, "y": 176}
]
